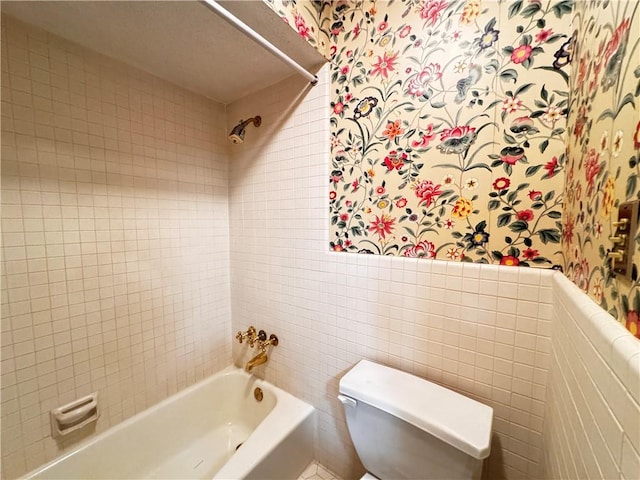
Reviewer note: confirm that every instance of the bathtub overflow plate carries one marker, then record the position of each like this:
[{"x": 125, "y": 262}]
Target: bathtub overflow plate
[{"x": 257, "y": 393}]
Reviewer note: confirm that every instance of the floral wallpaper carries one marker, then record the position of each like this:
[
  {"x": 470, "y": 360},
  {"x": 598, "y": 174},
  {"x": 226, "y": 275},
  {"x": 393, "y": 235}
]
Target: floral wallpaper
[
  {"x": 448, "y": 123},
  {"x": 448, "y": 129},
  {"x": 310, "y": 18},
  {"x": 603, "y": 151}
]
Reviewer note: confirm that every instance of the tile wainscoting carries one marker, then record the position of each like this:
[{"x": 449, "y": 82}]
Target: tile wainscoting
[{"x": 592, "y": 414}]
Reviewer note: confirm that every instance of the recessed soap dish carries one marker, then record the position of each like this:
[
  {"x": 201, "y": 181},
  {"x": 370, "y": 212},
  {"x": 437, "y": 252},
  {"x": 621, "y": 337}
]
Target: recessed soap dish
[{"x": 74, "y": 415}]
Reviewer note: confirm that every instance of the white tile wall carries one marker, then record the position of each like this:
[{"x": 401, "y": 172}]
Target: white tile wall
[
  {"x": 593, "y": 412},
  {"x": 115, "y": 272},
  {"x": 481, "y": 330}
]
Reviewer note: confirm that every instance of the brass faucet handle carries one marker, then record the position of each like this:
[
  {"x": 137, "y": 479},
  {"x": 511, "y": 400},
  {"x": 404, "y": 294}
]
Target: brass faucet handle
[
  {"x": 249, "y": 335},
  {"x": 273, "y": 340}
]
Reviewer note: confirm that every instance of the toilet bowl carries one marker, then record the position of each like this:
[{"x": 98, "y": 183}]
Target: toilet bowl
[{"x": 405, "y": 427}]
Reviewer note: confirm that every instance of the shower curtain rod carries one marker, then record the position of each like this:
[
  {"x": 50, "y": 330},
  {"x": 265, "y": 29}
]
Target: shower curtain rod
[{"x": 259, "y": 39}]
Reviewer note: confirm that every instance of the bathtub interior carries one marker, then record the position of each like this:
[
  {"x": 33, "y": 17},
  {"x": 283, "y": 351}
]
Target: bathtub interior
[{"x": 190, "y": 435}]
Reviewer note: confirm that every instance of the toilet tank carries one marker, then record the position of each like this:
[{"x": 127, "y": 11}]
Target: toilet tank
[{"x": 405, "y": 427}]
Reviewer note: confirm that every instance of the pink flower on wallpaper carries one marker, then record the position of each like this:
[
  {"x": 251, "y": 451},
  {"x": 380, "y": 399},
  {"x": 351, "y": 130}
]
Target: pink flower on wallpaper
[
  {"x": 530, "y": 253},
  {"x": 501, "y": 183},
  {"x": 511, "y": 155},
  {"x": 424, "y": 249},
  {"x": 356, "y": 30},
  {"x": 521, "y": 54},
  {"x": 511, "y": 104},
  {"x": 580, "y": 122},
  {"x": 338, "y": 108},
  {"x": 385, "y": 64},
  {"x": 392, "y": 130},
  {"x": 427, "y": 191},
  {"x": 430, "y": 10},
  {"x": 457, "y": 139},
  {"x": 382, "y": 225},
  {"x": 401, "y": 203},
  {"x": 535, "y": 195},
  {"x": 301, "y": 26},
  {"x": 616, "y": 39},
  {"x": 567, "y": 229},
  {"x": 425, "y": 138},
  {"x": 591, "y": 169},
  {"x": 406, "y": 30},
  {"x": 395, "y": 160},
  {"x": 543, "y": 35},
  {"x": 582, "y": 71},
  {"x": 418, "y": 84},
  {"x": 636, "y": 137},
  {"x": 525, "y": 215},
  {"x": 550, "y": 167}
]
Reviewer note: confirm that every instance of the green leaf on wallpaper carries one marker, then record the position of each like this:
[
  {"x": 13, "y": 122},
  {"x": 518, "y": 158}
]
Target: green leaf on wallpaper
[
  {"x": 509, "y": 138},
  {"x": 554, "y": 214},
  {"x": 543, "y": 146},
  {"x": 562, "y": 7},
  {"x": 410, "y": 231},
  {"x": 478, "y": 165},
  {"x": 555, "y": 38},
  {"x": 625, "y": 304},
  {"x": 523, "y": 88},
  {"x": 438, "y": 104},
  {"x": 562, "y": 73},
  {"x": 632, "y": 184},
  {"x": 532, "y": 170},
  {"x": 493, "y": 204},
  {"x": 531, "y": 9},
  {"x": 515, "y": 8},
  {"x": 528, "y": 242},
  {"x": 544, "y": 94},
  {"x": 492, "y": 66},
  {"x": 549, "y": 235},
  {"x": 519, "y": 226},
  {"x": 541, "y": 260},
  {"x": 601, "y": 251},
  {"x": 504, "y": 219},
  {"x": 509, "y": 74}
]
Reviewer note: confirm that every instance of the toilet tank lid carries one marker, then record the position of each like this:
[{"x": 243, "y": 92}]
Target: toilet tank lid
[{"x": 453, "y": 418}]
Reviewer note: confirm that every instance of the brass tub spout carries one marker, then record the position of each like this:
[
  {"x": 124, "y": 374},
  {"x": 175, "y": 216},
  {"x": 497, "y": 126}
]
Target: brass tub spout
[{"x": 257, "y": 360}]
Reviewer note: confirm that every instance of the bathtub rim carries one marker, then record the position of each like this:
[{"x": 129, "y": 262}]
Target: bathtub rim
[{"x": 243, "y": 461}]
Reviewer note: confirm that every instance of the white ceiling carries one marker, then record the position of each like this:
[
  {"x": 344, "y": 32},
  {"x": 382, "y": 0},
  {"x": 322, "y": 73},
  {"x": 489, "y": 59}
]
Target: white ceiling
[{"x": 181, "y": 41}]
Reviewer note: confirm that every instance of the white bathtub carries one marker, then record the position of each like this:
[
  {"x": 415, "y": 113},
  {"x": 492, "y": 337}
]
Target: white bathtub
[{"x": 194, "y": 434}]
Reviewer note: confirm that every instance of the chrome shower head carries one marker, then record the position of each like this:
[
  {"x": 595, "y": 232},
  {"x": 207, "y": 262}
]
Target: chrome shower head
[{"x": 237, "y": 134}]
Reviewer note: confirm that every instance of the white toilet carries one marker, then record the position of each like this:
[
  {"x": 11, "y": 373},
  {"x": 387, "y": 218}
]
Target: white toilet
[{"x": 404, "y": 427}]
